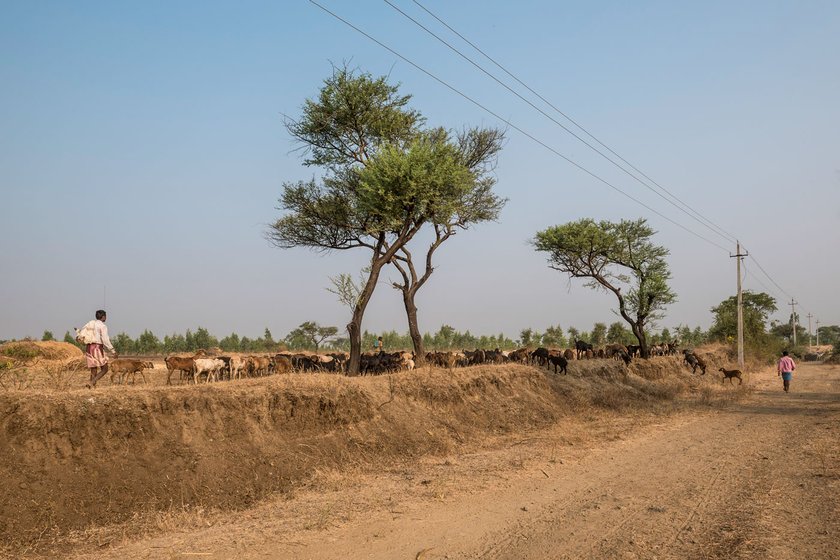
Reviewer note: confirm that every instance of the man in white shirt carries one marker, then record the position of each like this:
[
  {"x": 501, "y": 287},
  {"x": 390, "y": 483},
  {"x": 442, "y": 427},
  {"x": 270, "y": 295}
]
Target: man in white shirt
[{"x": 95, "y": 351}]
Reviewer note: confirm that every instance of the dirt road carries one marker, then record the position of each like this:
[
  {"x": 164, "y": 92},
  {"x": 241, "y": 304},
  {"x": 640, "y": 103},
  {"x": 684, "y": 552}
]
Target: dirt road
[{"x": 757, "y": 479}]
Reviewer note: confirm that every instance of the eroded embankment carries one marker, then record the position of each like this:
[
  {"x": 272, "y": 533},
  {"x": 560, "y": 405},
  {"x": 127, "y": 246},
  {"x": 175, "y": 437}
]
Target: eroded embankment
[{"x": 84, "y": 458}]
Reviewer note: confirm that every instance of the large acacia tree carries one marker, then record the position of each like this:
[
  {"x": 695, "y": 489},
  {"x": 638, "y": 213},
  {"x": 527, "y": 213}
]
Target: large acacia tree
[
  {"x": 616, "y": 257},
  {"x": 385, "y": 177}
]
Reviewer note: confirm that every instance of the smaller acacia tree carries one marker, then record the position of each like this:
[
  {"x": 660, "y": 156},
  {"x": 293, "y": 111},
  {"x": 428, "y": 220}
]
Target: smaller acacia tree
[
  {"x": 615, "y": 257},
  {"x": 310, "y": 335},
  {"x": 456, "y": 196}
]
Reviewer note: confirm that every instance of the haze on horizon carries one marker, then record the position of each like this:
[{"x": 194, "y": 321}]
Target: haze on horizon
[{"x": 143, "y": 152}]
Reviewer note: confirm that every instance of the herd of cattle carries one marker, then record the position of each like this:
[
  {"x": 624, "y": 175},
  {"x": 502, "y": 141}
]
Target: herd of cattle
[{"x": 221, "y": 367}]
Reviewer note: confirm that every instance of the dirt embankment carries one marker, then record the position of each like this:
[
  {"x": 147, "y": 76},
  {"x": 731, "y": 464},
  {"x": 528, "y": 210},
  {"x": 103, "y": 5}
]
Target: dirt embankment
[{"x": 93, "y": 458}]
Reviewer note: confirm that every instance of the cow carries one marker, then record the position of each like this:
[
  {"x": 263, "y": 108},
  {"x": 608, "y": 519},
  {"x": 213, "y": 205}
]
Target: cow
[{"x": 178, "y": 363}]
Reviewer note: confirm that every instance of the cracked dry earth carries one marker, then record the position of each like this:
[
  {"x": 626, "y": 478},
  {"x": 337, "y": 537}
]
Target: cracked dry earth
[{"x": 759, "y": 478}]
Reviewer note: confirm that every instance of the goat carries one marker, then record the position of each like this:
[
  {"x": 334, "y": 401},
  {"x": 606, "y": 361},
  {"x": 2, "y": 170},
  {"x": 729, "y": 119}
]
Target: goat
[
  {"x": 177, "y": 363},
  {"x": 729, "y": 374},
  {"x": 122, "y": 368},
  {"x": 558, "y": 360}
]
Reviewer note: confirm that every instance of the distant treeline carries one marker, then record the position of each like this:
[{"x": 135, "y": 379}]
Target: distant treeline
[{"x": 311, "y": 336}]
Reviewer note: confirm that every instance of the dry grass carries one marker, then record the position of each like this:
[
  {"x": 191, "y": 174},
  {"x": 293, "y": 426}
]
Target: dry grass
[{"x": 165, "y": 446}]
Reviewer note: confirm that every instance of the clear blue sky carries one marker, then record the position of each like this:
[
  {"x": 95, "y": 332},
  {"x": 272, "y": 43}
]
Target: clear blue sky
[{"x": 142, "y": 152}]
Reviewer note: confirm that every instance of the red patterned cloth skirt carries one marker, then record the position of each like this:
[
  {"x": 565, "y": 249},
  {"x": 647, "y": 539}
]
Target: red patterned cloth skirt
[{"x": 95, "y": 355}]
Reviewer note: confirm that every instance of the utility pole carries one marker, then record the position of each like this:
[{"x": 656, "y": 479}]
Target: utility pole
[
  {"x": 738, "y": 255},
  {"x": 809, "y": 329},
  {"x": 818, "y": 332},
  {"x": 793, "y": 318}
]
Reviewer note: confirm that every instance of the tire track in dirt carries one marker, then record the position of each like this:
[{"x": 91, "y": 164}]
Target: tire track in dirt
[{"x": 725, "y": 515}]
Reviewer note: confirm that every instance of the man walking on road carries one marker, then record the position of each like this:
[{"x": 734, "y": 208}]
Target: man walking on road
[{"x": 786, "y": 367}]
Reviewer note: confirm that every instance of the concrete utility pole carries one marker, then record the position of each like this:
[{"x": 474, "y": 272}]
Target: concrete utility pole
[
  {"x": 793, "y": 318},
  {"x": 818, "y": 332},
  {"x": 809, "y": 329},
  {"x": 738, "y": 255}
]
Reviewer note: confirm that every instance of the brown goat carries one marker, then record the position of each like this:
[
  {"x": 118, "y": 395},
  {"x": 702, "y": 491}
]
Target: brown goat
[{"x": 729, "y": 374}]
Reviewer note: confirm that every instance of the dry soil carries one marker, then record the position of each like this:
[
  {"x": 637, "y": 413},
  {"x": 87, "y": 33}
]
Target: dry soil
[{"x": 758, "y": 478}]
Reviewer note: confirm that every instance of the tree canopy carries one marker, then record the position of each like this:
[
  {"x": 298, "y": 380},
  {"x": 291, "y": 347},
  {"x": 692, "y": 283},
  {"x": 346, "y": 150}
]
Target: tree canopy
[
  {"x": 616, "y": 257},
  {"x": 757, "y": 308},
  {"x": 385, "y": 177}
]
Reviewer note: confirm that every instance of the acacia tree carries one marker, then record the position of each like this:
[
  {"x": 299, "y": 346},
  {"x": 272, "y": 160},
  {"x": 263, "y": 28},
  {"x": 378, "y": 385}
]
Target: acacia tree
[
  {"x": 384, "y": 179},
  {"x": 461, "y": 196},
  {"x": 310, "y": 334},
  {"x": 614, "y": 256}
]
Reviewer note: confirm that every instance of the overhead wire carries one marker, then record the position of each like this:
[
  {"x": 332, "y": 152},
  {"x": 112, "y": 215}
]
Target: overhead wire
[
  {"x": 677, "y": 202},
  {"x": 515, "y": 127},
  {"x": 684, "y": 207}
]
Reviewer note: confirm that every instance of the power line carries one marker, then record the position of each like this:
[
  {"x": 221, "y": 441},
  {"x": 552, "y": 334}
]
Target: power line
[
  {"x": 685, "y": 208},
  {"x": 515, "y": 127},
  {"x": 682, "y": 206},
  {"x": 761, "y": 268}
]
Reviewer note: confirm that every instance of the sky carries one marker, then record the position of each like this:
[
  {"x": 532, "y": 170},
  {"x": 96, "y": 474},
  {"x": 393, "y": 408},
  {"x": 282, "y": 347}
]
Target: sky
[{"x": 143, "y": 152}]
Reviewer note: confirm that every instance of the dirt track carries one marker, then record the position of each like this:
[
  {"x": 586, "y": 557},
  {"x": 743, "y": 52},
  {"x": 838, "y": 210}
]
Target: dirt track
[{"x": 757, "y": 479}]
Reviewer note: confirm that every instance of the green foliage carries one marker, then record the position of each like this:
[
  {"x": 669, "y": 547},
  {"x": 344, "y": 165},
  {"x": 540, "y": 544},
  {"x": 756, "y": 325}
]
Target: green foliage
[
  {"x": 615, "y": 257},
  {"x": 527, "y": 337},
  {"x": 425, "y": 181},
  {"x": 351, "y": 118},
  {"x": 47, "y": 336},
  {"x": 619, "y": 334},
  {"x": 690, "y": 338},
  {"x": 386, "y": 178},
  {"x": 309, "y": 336},
  {"x": 68, "y": 338},
  {"x": 785, "y": 332},
  {"x": 829, "y": 334},
  {"x": 757, "y": 308},
  {"x": 230, "y": 343},
  {"x": 553, "y": 337},
  {"x": 20, "y": 352},
  {"x": 599, "y": 334}
]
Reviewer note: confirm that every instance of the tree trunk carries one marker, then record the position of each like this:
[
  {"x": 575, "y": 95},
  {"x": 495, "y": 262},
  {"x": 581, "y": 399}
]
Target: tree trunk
[
  {"x": 639, "y": 331},
  {"x": 414, "y": 328},
  {"x": 354, "y": 327}
]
